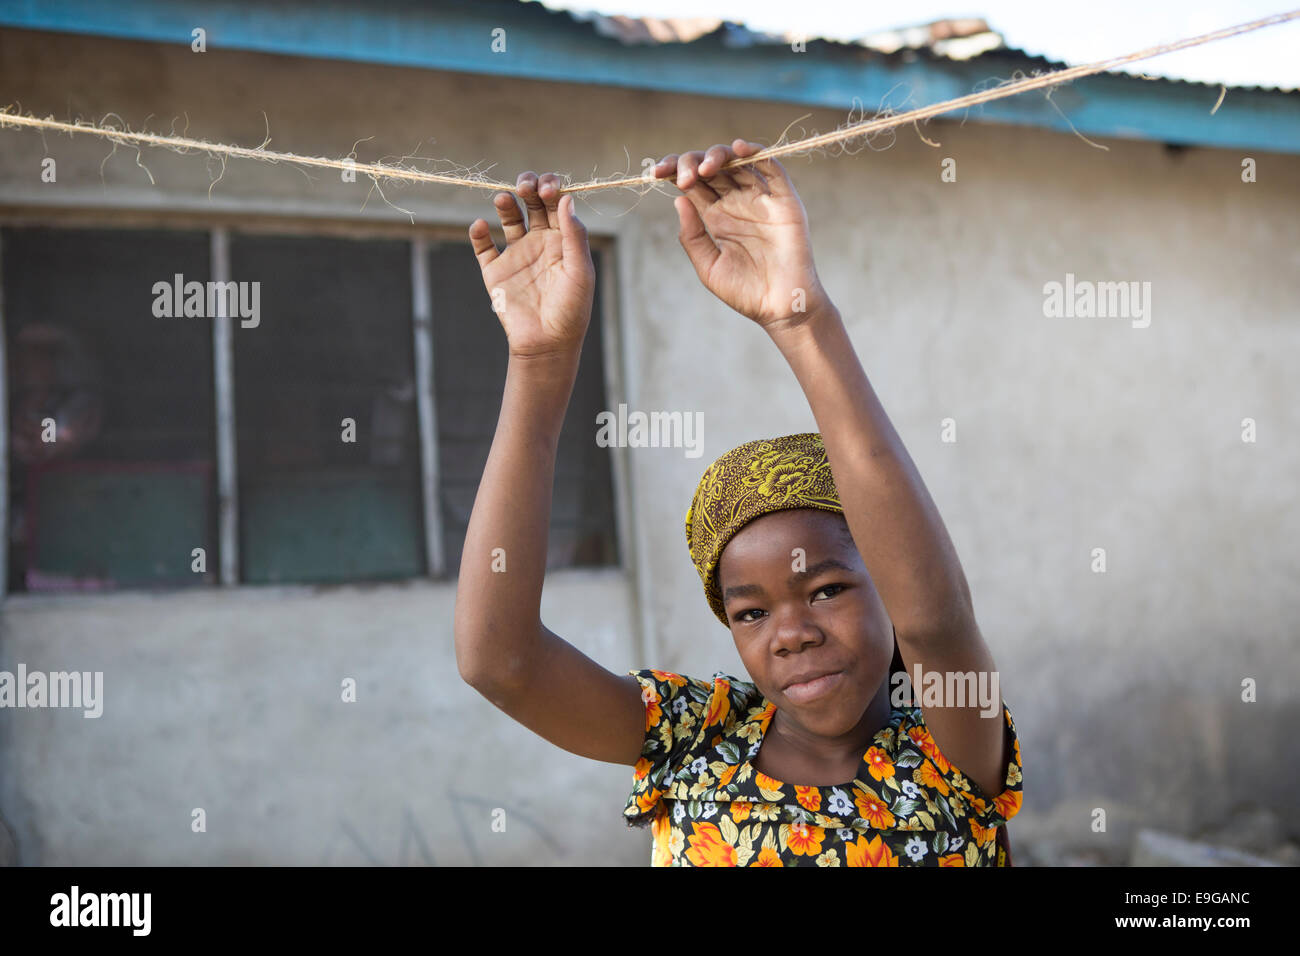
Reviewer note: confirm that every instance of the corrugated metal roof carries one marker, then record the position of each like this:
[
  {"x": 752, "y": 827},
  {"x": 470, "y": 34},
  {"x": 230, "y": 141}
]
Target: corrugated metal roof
[
  {"x": 632, "y": 30},
  {"x": 949, "y": 38},
  {"x": 952, "y": 39}
]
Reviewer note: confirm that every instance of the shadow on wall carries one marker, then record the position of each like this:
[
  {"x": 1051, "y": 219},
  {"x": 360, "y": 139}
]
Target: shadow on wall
[
  {"x": 413, "y": 848},
  {"x": 1220, "y": 751},
  {"x": 8, "y": 848}
]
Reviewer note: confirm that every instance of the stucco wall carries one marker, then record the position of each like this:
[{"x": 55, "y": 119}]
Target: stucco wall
[
  {"x": 1072, "y": 434},
  {"x": 232, "y": 703}
]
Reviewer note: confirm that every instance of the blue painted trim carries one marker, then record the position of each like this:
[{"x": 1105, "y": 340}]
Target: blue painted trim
[{"x": 541, "y": 44}]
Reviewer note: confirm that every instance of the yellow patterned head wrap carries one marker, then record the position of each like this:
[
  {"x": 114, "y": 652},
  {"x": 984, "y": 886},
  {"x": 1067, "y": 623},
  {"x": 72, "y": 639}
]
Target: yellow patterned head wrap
[{"x": 754, "y": 479}]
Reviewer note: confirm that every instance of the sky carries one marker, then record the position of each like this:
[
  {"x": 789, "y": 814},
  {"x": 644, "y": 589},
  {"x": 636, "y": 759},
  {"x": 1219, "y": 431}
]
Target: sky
[{"x": 1070, "y": 32}]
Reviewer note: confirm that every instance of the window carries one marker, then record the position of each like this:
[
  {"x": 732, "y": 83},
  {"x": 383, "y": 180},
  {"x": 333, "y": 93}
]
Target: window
[
  {"x": 469, "y": 376},
  {"x": 349, "y": 459},
  {"x": 325, "y": 413},
  {"x": 110, "y": 411}
]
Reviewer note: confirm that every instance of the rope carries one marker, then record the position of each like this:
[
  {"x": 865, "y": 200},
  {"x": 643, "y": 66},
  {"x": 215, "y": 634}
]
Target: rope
[{"x": 387, "y": 171}]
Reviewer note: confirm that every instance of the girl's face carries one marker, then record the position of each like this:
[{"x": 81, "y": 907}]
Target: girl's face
[{"x": 798, "y": 615}]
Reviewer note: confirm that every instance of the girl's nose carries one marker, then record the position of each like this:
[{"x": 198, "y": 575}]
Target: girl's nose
[{"x": 795, "y": 629}]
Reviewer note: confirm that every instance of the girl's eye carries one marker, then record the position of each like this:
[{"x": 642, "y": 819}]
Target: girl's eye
[{"x": 744, "y": 617}]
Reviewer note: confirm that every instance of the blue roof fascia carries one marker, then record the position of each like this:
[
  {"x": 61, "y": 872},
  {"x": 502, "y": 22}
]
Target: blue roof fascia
[{"x": 541, "y": 44}]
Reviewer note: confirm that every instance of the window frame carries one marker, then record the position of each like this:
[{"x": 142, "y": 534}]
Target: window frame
[{"x": 219, "y": 228}]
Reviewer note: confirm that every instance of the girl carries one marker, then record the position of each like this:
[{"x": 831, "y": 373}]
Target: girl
[{"x": 822, "y": 552}]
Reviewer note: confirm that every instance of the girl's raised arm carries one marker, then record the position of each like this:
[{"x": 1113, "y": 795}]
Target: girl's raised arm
[
  {"x": 541, "y": 287},
  {"x": 746, "y": 232}
]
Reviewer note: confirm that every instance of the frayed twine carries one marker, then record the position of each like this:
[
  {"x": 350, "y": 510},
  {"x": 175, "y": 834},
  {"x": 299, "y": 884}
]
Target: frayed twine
[{"x": 382, "y": 172}]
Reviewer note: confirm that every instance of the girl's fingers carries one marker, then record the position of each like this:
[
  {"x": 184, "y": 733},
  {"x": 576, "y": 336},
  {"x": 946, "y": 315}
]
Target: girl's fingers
[
  {"x": 778, "y": 180},
  {"x": 480, "y": 240},
  {"x": 748, "y": 175},
  {"x": 689, "y": 181},
  {"x": 710, "y": 169},
  {"x": 695, "y": 239},
  {"x": 527, "y": 186},
  {"x": 512, "y": 220},
  {"x": 548, "y": 187},
  {"x": 573, "y": 234}
]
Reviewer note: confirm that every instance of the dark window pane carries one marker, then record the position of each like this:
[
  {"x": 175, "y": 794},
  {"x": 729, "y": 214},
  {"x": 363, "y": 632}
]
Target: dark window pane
[
  {"x": 469, "y": 376},
  {"x": 320, "y": 500},
  {"x": 124, "y": 492}
]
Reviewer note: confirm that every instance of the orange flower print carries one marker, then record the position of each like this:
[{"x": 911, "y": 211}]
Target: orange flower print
[
  {"x": 744, "y": 817},
  {"x": 719, "y": 705},
  {"x": 870, "y": 853},
  {"x": 927, "y": 775},
  {"x": 653, "y": 713},
  {"x": 768, "y": 857},
  {"x": 921, "y": 737},
  {"x": 872, "y": 808},
  {"x": 1008, "y": 803},
  {"x": 706, "y": 847},
  {"x": 981, "y": 834},
  {"x": 805, "y": 840},
  {"x": 669, "y": 678},
  {"x": 810, "y": 798},
  {"x": 661, "y": 829},
  {"x": 879, "y": 764}
]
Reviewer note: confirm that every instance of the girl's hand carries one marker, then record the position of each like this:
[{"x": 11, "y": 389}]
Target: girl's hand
[
  {"x": 746, "y": 233},
  {"x": 542, "y": 285}
]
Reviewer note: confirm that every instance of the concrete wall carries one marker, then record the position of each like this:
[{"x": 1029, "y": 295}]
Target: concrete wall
[
  {"x": 231, "y": 703},
  {"x": 1073, "y": 434}
]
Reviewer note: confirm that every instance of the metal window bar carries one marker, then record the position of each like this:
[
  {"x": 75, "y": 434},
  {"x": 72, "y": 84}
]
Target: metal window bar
[
  {"x": 4, "y": 438},
  {"x": 422, "y": 330},
  {"x": 223, "y": 377}
]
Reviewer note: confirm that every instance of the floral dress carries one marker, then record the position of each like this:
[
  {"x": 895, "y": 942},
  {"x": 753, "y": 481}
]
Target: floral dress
[{"x": 707, "y": 805}]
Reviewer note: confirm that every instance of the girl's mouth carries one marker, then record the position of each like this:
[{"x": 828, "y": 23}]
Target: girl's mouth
[{"x": 814, "y": 689}]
